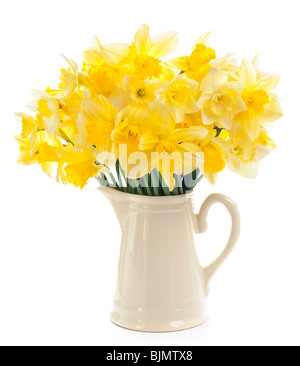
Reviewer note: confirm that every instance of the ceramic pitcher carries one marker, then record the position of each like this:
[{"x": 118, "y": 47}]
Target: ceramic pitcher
[{"x": 161, "y": 285}]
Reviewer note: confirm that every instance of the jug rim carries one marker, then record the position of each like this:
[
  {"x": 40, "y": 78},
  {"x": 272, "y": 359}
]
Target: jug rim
[{"x": 146, "y": 199}]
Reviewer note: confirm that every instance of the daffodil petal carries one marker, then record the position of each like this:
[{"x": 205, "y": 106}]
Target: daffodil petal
[
  {"x": 148, "y": 141},
  {"x": 214, "y": 79},
  {"x": 163, "y": 44},
  {"x": 272, "y": 112},
  {"x": 163, "y": 115},
  {"x": 268, "y": 83},
  {"x": 205, "y": 99},
  {"x": 180, "y": 63},
  {"x": 142, "y": 39},
  {"x": 247, "y": 74},
  {"x": 120, "y": 98},
  {"x": 251, "y": 125},
  {"x": 51, "y": 124},
  {"x": 225, "y": 120},
  {"x": 93, "y": 57},
  {"x": 208, "y": 118},
  {"x": 180, "y": 135},
  {"x": 255, "y": 63},
  {"x": 212, "y": 178},
  {"x": 115, "y": 54},
  {"x": 167, "y": 74},
  {"x": 190, "y": 106},
  {"x": 203, "y": 39}
]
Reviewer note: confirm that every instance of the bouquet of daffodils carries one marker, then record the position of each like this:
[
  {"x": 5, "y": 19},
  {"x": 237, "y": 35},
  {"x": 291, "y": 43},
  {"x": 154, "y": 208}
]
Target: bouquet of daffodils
[{"x": 144, "y": 125}]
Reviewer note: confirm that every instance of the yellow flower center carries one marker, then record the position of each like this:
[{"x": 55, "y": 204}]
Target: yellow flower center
[
  {"x": 244, "y": 150},
  {"x": 172, "y": 96},
  {"x": 224, "y": 101},
  {"x": 127, "y": 135},
  {"x": 166, "y": 146},
  {"x": 141, "y": 92},
  {"x": 177, "y": 94},
  {"x": 237, "y": 151},
  {"x": 103, "y": 79},
  {"x": 255, "y": 101},
  {"x": 201, "y": 56},
  {"x": 186, "y": 123},
  {"x": 148, "y": 66}
]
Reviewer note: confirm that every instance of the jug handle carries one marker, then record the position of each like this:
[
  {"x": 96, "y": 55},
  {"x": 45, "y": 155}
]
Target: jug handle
[{"x": 234, "y": 235}]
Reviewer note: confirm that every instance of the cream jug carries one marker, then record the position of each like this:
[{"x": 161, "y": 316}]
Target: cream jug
[{"x": 161, "y": 285}]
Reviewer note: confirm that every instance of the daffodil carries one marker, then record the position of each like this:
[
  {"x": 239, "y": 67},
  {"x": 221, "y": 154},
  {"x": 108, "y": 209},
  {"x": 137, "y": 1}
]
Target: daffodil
[
  {"x": 130, "y": 111},
  {"x": 43, "y": 152},
  {"x": 228, "y": 65},
  {"x": 55, "y": 108},
  {"x": 134, "y": 90},
  {"x": 261, "y": 104},
  {"x": 134, "y": 121},
  {"x": 214, "y": 158},
  {"x": 85, "y": 168},
  {"x": 72, "y": 78},
  {"x": 197, "y": 65},
  {"x": 168, "y": 146},
  {"x": 220, "y": 100},
  {"x": 243, "y": 154},
  {"x": 103, "y": 78},
  {"x": 179, "y": 96},
  {"x": 96, "y": 123},
  {"x": 143, "y": 57}
]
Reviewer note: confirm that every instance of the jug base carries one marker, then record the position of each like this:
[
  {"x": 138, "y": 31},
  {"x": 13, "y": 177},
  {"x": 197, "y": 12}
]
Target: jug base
[{"x": 158, "y": 326}]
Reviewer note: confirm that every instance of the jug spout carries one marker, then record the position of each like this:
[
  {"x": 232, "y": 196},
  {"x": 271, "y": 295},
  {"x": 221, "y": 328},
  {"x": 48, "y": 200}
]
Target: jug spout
[{"x": 119, "y": 202}]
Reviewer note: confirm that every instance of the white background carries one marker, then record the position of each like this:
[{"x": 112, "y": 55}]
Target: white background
[{"x": 59, "y": 246}]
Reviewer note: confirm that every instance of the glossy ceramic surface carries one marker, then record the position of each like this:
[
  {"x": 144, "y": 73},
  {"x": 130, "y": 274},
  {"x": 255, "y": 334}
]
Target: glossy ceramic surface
[{"x": 161, "y": 286}]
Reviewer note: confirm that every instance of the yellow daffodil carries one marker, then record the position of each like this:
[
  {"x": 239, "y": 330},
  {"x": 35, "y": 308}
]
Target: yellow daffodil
[
  {"x": 134, "y": 90},
  {"x": 243, "y": 154},
  {"x": 143, "y": 57},
  {"x": 220, "y": 100},
  {"x": 179, "y": 96},
  {"x": 96, "y": 123},
  {"x": 214, "y": 159},
  {"x": 169, "y": 146},
  {"x": 197, "y": 65},
  {"x": 133, "y": 122},
  {"x": 42, "y": 151},
  {"x": 103, "y": 78},
  {"x": 85, "y": 168},
  {"x": 228, "y": 65},
  {"x": 131, "y": 112},
  {"x": 261, "y": 104},
  {"x": 72, "y": 78},
  {"x": 56, "y": 109}
]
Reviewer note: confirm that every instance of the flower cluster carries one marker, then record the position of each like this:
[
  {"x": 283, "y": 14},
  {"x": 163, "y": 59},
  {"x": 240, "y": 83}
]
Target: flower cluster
[{"x": 192, "y": 115}]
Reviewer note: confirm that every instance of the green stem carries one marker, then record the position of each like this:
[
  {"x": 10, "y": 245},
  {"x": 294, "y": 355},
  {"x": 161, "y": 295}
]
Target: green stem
[
  {"x": 146, "y": 185},
  {"x": 140, "y": 189},
  {"x": 164, "y": 188},
  {"x": 123, "y": 175},
  {"x": 179, "y": 181},
  {"x": 101, "y": 181},
  {"x": 114, "y": 182},
  {"x": 119, "y": 176},
  {"x": 103, "y": 177},
  {"x": 154, "y": 179},
  {"x": 197, "y": 181}
]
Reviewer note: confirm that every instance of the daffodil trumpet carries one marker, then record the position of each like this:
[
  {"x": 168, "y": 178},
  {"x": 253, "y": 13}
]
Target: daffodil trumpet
[{"x": 145, "y": 125}]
